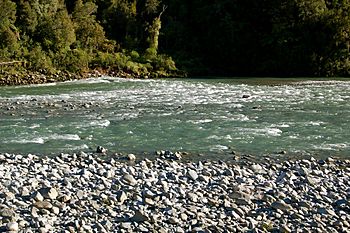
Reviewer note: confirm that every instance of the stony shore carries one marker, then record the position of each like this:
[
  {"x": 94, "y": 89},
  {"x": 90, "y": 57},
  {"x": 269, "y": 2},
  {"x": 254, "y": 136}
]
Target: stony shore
[
  {"x": 84, "y": 193},
  {"x": 25, "y": 77}
]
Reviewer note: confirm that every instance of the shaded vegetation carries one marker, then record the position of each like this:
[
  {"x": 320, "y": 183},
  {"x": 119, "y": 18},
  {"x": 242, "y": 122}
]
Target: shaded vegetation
[
  {"x": 259, "y": 38},
  {"x": 145, "y": 38}
]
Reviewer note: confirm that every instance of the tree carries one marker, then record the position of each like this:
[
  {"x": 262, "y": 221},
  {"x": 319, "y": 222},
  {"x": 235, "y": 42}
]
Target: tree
[
  {"x": 56, "y": 30},
  {"x": 153, "y": 37},
  {"x": 89, "y": 33},
  {"x": 9, "y": 35}
]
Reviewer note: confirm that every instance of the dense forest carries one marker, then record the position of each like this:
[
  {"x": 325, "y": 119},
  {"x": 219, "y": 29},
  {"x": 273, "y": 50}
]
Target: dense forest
[{"x": 148, "y": 37}]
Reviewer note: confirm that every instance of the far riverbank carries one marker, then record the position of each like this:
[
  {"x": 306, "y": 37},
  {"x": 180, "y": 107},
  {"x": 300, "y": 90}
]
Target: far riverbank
[{"x": 26, "y": 77}]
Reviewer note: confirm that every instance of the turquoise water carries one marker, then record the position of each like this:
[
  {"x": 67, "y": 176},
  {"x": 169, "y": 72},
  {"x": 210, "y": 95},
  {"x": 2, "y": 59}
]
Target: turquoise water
[{"x": 211, "y": 117}]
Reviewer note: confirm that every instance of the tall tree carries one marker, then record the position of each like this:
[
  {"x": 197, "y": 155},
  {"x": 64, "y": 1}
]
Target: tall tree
[
  {"x": 89, "y": 33},
  {"x": 9, "y": 35},
  {"x": 154, "y": 30}
]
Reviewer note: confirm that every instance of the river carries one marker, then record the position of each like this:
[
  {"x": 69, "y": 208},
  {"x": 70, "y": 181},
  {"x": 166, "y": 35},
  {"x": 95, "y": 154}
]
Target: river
[{"x": 212, "y": 117}]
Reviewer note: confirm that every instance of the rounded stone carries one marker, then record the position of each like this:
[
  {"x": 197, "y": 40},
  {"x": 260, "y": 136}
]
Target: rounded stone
[{"x": 12, "y": 226}]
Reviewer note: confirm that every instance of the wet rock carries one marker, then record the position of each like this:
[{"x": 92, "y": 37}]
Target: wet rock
[
  {"x": 9, "y": 196},
  {"x": 131, "y": 157},
  {"x": 101, "y": 149},
  {"x": 149, "y": 201}
]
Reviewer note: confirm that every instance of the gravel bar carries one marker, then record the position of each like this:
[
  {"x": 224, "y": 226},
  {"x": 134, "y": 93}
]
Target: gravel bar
[{"x": 85, "y": 193}]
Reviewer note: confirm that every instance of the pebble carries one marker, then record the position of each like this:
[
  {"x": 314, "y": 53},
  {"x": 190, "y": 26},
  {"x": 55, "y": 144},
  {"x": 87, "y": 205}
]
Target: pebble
[
  {"x": 48, "y": 193},
  {"x": 192, "y": 174},
  {"x": 173, "y": 220},
  {"x": 121, "y": 196},
  {"x": 101, "y": 149},
  {"x": 139, "y": 217},
  {"x": 129, "y": 179},
  {"x": 131, "y": 157},
  {"x": 12, "y": 226},
  {"x": 84, "y": 193},
  {"x": 281, "y": 205},
  {"x": 43, "y": 205},
  {"x": 7, "y": 213}
]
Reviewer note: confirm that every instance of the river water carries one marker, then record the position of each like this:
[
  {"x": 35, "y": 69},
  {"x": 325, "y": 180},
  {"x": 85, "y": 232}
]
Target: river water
[{"x": 212, "y": 117}]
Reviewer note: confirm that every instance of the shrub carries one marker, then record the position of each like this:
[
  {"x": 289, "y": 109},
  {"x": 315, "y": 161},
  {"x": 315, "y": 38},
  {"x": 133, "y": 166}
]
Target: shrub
[
  {"x": 76, "y": 60},
  {"x": 38, "y": 59},
  {"x": 164, "y": 62}
]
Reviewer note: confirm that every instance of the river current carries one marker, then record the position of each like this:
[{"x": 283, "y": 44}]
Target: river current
[{"x": 212, "y": 117}]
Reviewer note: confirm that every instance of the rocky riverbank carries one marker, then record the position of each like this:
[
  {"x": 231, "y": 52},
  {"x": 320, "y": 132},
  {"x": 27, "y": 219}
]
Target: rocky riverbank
[
  {"x": 83, "y": 193},
  {"x": 25, "y": 77}
]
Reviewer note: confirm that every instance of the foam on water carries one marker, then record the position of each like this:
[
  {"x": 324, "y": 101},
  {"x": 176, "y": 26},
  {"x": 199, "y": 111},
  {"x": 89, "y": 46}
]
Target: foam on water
[
  {"x": 68, "y": 137},
  {"x": 100, "y": 123},
  {"x": 198, "y": 115},
  {"x": 35, "y": 85},
  {"x": 34, "y": 126},
  {"x": 314, "y": 123},
  {"x": 332, "y": 146},
  {"x": 239, "y": 117},
  {"x": 224, "y": 137},
  {"x": 38, "y": 140},
  {"x": 77, "y": 148},
  {"x": 275, "y": 132},
  {"x": 216, "y": 148},
  {"x": 202, "y": 121}
]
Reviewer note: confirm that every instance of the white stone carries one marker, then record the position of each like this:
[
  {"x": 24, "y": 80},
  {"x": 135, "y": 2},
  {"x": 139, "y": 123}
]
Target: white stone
[
  {"x": 192, "y": 174},
  {"x": 12, "y": 226},
  {"x": 131, "y": 157},
  {"x": 129, "y": 179}
]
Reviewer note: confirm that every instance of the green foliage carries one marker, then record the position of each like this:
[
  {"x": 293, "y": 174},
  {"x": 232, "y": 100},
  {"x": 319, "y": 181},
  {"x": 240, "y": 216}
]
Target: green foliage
[
  {"x": 7, "y": 13},
  {"x": 56, "y": 33},
  {"x": 153, "y": 30},
  {"x": 90, "y": 34},
  {"x": 164, "y": 63},
  {"x": 245, "y": 37},
  {"x": 9, "y": 35},
  {"x": 151, "y": 6},
  {"x": 150, "y": 54},
  {"x": 134, "y": 55},
  {"x": 38, "y": 59},
  {"x": 27, "y": 19},
  {"x": 75, "y": 60},
  {"x": 119, "y": 20},
  {"x": 104, "y": 60},
  {"x": 287, "y": 37}
]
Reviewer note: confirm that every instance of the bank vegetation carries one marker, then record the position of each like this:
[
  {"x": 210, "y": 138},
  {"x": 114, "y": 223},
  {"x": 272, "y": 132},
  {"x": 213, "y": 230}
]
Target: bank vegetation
[{"x": 163, "y": 38}]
